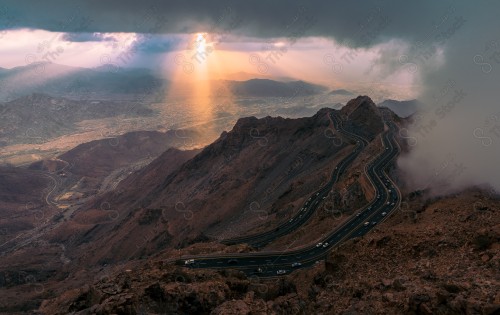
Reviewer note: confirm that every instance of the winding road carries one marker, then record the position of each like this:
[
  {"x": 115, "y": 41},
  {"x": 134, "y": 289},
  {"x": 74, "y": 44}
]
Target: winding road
[{"x": 271, "y": 264}]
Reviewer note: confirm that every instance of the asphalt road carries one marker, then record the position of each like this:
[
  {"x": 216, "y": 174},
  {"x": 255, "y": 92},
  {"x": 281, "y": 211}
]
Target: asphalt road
[{"x": 271, "y": 264}]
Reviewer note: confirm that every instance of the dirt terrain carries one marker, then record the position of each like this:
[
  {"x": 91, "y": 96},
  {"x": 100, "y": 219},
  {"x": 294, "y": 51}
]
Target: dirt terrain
[{"x": 440, "y": 257}]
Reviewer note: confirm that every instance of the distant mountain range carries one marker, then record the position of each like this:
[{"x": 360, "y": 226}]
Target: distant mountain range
[
  {"x": 74, "y": 82},
  {"x": 271, "y": 88},
  {"x": 341, "y": 92},
  {"x": 108, "y": 81},
  {"x": 402, "y": 108}
]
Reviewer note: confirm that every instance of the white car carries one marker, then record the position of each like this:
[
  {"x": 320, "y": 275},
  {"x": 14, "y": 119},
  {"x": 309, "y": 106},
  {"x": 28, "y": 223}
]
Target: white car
[
  {"x": 374, "y": 222},
  {"x": 366, "y": 223},
  {"x": 319, "y": 244},
  {"x": 384, "y": 214},
  {"x": 189, "y": 262},
  {"x": 325, "y": 244},
  {"x": 281, "y": 272},
  {"x": 296, "y": 264}
]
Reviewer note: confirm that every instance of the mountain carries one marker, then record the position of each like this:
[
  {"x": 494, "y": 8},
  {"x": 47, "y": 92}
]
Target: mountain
[
  {"x": 261, "y": 168},
  {"x": 402, "y": 108},
  {"x": 38, "y": 117},
  {"x": 271, "y": 88},
  {"x": 245, "y": 76},
  {"x": 135, "y": 213},
  {"x": 364, "y": 117},
  {"x": 100, "y": 157},
  {"x": 341, "y": 92},
  {"x": 74, "y": 82}
]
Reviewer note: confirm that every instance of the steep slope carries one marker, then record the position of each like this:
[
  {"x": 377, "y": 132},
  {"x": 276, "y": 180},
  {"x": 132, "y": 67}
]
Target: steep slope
[
  {"x": 22, "y": 201},
  {"x": 259, "y": 172},
  {"x": 364, "y": 117},
  {"x": 100, "y": 157}
]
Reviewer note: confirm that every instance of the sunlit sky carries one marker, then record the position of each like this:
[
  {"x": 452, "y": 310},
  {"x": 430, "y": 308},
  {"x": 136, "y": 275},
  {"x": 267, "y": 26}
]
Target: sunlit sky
[{"x": 205, "y": 56}]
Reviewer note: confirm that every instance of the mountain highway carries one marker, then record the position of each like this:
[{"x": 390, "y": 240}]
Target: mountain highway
[{"x": 271, "y": 264}]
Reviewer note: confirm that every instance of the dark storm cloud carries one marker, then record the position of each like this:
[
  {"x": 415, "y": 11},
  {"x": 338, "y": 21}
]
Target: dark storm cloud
[
  {"x": 157, "y": 44},
  {"x": 361, "y": 23},
  {"x": 87, "y": 37}
]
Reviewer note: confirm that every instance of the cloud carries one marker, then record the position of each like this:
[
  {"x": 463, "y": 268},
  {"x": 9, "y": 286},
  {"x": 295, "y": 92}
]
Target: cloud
[
  {"x": 157, "y": 43},
  {"x": 88, "y": 37},
  {"x": 357, "y": 22}
]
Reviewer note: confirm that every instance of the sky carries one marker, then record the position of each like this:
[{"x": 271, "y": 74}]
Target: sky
[{"x": 445, "y": 53}]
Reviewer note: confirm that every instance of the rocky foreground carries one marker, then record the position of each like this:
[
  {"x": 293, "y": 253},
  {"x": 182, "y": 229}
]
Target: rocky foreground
[{"x": 431, "y": 257}]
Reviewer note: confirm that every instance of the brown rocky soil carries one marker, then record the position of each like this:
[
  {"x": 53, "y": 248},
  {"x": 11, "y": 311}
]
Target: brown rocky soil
[{"x": 432, "y": 257}]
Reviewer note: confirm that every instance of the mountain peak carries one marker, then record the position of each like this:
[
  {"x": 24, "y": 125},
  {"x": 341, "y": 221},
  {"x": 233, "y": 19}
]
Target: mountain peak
[{"x": 364, "y": 116}]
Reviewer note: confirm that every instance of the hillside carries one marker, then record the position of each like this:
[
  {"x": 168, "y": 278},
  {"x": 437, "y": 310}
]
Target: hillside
[{"x": 439, "y": 258}]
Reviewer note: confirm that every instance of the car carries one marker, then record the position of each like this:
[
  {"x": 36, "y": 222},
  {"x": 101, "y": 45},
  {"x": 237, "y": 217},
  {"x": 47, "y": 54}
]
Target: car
[
  {"x": 390, "y": 190},
  {"x": 358, "y": 214},
  {"x": 325, "y": 244},
  {"x": 317, "y": 194},
  {"x": 258, "y": 270},
  {"x": 324, "y": 198},
  {"x": 392, "y": 204},
  {"x": 189, "y": 262},
  {"x": 296, "y": 264},
  {"x": 388, "y": 203},
  {"x": 384, "y": 214},
  {"x": 232, "y": 261},
  {"x": 374, "y": 222},
  {"x": 291, "y": 220},
  {"x": 378, "y": 196},
  {"x": 281, "y": 272},
  {"x": 366, "y": 223},
  {"x": 369, "y": 208},
  {"x": 319, "y": 244}
]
